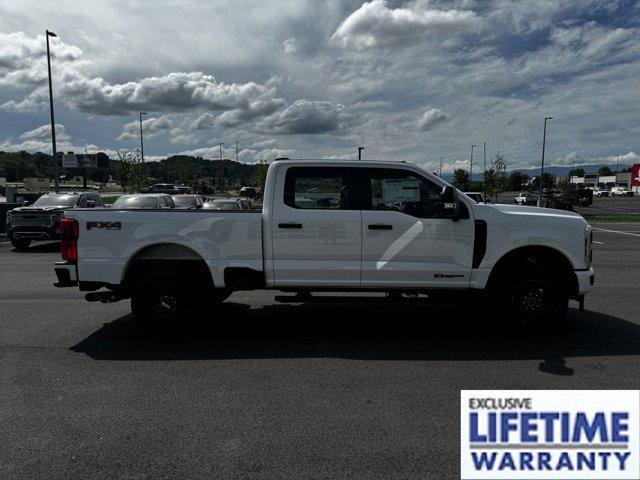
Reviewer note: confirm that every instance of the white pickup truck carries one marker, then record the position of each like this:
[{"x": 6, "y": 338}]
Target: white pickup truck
[{"x": 332, "y": 225}]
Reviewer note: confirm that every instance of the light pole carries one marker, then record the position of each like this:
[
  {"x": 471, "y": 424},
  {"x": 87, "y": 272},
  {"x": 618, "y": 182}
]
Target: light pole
[
  {"x": 53, "y": 122},
  {"x": 544, "y": 142},
  {"x": 484, "y": 174},
  {"x": 360, "y": 152},
  {"x": 221, "y": 143},
  {"x": 141, "y": 141},
  {"x": 471, "y": 165},
  {"x": 440, "y": 174}
]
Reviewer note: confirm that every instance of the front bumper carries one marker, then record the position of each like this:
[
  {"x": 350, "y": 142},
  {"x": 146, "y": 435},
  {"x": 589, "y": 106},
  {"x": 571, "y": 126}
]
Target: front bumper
[
  {"x": 35, "y": 232},
  {"x": 586, "y": 279},
  {"x": 67, "y": 274}
]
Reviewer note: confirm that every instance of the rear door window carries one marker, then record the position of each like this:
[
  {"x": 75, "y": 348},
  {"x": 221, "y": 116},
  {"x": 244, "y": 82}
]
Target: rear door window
[{"x": 318, "y": 188}]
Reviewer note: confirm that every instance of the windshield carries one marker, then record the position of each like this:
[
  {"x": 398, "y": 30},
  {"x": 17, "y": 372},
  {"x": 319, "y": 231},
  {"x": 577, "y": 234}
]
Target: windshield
[
  {"x": 185, "y": 201},
  {"x": 136, "y": 202},
  {"x": 222, "y": 206},
  {"x": 56, "y": 201}
]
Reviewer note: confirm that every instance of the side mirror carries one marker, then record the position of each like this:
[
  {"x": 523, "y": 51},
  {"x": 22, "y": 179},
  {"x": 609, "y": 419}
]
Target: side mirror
[
  {"x": 91, "y": 204},
  {"x": 26, "y": 203},
  {"x": 450, "y": 203}
]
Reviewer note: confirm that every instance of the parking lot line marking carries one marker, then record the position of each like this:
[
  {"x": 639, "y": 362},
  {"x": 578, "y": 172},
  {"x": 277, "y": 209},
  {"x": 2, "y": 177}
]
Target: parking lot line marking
[{"x": 617, "y": 231}]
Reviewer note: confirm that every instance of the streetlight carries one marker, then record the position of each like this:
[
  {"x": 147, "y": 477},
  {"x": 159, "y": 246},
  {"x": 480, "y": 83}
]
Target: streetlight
[
  {"x": 221, "y": 150},
  {"x": 141, "y": 142},
  {"x": 440, "y": 174},
  {"x": 360, "y": 152},
  {"x": 544, "y": 142},
  {"x": 471, "y": 165},
  {"x": 484, "y": 173},
  {"x": 53, "y": 122}
]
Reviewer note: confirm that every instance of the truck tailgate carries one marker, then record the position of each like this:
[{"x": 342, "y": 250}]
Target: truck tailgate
[{"x": 109, "y": 239}]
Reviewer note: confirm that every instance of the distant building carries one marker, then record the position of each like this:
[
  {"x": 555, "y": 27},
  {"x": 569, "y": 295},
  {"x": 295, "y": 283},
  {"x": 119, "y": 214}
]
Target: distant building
[{"x": 608, "y": 181}]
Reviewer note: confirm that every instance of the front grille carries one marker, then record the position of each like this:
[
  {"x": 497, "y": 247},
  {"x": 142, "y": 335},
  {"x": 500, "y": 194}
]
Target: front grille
[{"x": 31, "y": 219}]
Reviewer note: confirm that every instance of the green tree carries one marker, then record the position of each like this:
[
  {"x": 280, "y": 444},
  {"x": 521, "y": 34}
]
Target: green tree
[
  {"x": 516, "y": 181},
  {"x": 131, "y": 172},
  {"x": 188, "y": 174},
  {"x": 260, "y": 176},
  {"x": 604, "y": 171},
  {"x": 577, "y": 172},
  {"x": 547, "y": 181},
  {"x": 460, "y": 178},
  {"x": 495, "y": 176}
]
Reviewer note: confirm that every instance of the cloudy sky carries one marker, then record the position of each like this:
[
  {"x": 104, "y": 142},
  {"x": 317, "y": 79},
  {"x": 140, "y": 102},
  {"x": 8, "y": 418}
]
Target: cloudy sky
[{"x": 411, "y": 80}]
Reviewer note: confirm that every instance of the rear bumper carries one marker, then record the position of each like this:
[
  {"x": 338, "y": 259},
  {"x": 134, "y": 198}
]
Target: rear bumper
[
  {"x": 586, "y": 279},
  {"x": 66, "y": 273}
]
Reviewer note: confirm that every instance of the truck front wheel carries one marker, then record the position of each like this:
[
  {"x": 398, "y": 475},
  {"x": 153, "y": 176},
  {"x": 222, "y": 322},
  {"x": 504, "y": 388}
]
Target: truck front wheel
[
  {"x": 20, "y": 243},
  {"x": 532, "y": 295}
]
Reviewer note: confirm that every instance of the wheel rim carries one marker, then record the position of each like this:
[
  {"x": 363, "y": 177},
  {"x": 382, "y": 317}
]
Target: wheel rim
[
  {"x": 166, "y": 307},
  {"x": 531, "y": 299}
]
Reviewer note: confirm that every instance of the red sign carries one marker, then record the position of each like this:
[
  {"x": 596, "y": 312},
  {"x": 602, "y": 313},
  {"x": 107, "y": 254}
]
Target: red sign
[{"x": 635, "y": 175}]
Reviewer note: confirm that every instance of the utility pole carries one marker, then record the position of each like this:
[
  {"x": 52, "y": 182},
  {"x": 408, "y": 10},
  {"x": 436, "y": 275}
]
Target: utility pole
[
  {"x": 221, "y": 150},
  {"x": 484, "y": 175},
  {"x": 53, "y": 122},
  {"x": 544, "y": 142},
  {"x": 471, "y": 166},
  {"x": 236, "y": 150},
  {"x": 360, "y": 152},
  {"x": 440, "y": 174},
  {"x": 141, "y": 141}
]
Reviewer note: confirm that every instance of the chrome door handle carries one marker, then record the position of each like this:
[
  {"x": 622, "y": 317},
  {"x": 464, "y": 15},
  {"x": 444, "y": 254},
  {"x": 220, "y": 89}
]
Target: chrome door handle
[
  {"x": 289, "y": 225},
  {"x": 380, "y": 226}
]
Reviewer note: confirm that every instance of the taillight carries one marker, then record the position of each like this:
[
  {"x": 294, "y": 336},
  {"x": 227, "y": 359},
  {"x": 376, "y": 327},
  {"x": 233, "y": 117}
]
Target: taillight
[{"x": 69, "y": 239}]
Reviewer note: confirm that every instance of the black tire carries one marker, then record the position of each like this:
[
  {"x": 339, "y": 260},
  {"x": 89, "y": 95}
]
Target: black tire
[
  {"x": 533, "y": 296},
  {"x": 169, "y": 305},
  {"x": 20, "y": 243}
]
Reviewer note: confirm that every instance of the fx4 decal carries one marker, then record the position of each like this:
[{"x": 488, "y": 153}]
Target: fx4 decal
[{"x": 104, "y": 225}]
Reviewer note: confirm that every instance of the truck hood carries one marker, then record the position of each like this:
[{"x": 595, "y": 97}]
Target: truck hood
[
  {"x": 534, "y": 211},
  {"x": 32, "y": 209}
]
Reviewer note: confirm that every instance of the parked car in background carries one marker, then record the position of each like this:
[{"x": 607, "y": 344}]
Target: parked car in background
[
  {"x": 599, "y": 192},
  {"x": 41, "y": 221},
  {"x": 168, "y": 188},
  {"x": 188, "y": 201},
  {"x": 621, "y": 192},
  {"x": 250, "y": 192},
  {"x": 228, "y": 204},
  {"x": 144, "y": 201},
  {"x": 477, "y": 196},
  {"x": 521, "y": 199}
]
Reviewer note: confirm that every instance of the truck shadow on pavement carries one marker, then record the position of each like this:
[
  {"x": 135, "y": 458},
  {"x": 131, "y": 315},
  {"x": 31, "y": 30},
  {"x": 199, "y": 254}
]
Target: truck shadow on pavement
[{"x": 365, "y": 331}]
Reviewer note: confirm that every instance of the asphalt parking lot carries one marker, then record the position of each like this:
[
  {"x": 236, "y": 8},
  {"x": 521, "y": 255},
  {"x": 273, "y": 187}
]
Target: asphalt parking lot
[
  {"x": 266, "y": 390},
  {"x": 600, "y": 206}
]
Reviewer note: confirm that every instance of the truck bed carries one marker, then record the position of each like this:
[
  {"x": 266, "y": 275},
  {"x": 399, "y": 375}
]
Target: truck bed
[{"x": 109, "y": 239}]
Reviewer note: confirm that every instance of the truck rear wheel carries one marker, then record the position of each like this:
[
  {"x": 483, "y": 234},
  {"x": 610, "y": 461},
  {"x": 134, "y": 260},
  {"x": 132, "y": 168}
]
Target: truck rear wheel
[
  {"x": 166, "y": 305},
  {"x": 20, "y": 243}
]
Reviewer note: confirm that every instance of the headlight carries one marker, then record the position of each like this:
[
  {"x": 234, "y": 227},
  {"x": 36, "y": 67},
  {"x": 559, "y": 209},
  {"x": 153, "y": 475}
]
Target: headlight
[
  {"x": 55, "y": 217},
  {"x": 588, "y": 246}
]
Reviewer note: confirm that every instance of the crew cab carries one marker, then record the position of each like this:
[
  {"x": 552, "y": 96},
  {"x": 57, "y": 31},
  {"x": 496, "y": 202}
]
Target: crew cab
[
  {"x": 332, "y": 225},
  {"x": 41, "y": 221}
]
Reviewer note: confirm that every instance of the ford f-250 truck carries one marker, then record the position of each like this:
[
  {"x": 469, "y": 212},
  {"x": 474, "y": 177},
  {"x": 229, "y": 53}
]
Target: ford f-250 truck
[{"x": 338, "y": 226}]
